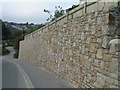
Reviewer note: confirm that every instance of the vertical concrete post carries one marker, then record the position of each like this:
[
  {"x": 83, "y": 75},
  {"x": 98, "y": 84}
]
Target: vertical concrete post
[
  {"x": 55, "y": 21},
  {"x": 67, "y": 15},
  {"x": 48, "y": 26},
  {"x": 85, "y": 7}
]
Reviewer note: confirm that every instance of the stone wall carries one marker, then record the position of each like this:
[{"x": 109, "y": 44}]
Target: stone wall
[{"x": 81, "y": 47}]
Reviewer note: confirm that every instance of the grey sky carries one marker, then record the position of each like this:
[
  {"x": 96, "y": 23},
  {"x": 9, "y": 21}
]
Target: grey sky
[{"x": 29, "y": 10}]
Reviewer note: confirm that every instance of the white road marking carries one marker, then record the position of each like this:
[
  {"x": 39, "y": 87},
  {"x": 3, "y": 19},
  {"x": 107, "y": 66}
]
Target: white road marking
[{"x": 26, "y": 78}]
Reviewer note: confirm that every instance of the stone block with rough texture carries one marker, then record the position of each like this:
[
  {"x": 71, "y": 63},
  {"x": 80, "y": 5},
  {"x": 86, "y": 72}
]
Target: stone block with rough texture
[{"x": 83, "y": 49}]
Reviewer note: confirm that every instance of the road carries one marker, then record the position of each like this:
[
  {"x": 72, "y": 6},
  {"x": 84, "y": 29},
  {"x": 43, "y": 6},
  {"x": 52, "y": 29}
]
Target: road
[
  {"x": 13, "y": 76},
  {"x": 0, "y": 73},
  {"x": 21, "y": 74}
]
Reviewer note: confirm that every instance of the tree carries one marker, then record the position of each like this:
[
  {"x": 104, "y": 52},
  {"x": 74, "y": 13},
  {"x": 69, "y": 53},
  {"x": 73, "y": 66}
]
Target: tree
[
  {"x": 16, "y": 45},
  {"x": 58, "y": 12},
  {"x": 16, "y": 33},
  {"x": 6, "y": 33},
  {"x": 47, "y": 11}
]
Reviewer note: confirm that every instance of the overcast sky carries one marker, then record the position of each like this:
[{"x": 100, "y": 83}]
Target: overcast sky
[{"x": 31, "y": 11}]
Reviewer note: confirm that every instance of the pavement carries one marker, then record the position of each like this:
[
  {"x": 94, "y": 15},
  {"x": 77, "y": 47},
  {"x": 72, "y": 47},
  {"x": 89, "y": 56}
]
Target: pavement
[{"x": 21, "y": 74}]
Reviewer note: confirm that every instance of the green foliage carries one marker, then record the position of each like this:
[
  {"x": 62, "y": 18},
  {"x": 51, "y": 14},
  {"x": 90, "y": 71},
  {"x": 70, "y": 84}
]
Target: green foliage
[
  {"x": 58, "y": 12},
  {"x": 16, "y": 45},
  {"x": 12, "y": 36},
  {"x": 73, "y": 6},
  {"x": 4, "y": 50},
  {"x": 16, "y": 33},
  {"x": 17, "y": 40},
  {"x": 29, "y": 31},
  {"x": 10, "y": 42},
  {"x": 18, "y": 36},
  {"x": 16, "y": 54},
  {"x": 6, "y": 33},
  {"x": 32, "y": 29}
]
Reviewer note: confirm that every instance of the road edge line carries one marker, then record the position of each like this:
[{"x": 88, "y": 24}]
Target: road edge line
[{"x": 26, "y": 77}]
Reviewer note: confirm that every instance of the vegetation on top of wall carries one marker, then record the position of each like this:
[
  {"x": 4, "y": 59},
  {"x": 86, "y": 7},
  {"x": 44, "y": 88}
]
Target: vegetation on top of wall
[
  {"x": 73, "y": 6},
  {"x": 58, "y": 13}
]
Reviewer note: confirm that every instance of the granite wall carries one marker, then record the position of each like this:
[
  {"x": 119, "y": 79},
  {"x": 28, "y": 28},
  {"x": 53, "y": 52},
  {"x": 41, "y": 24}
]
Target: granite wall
[{"x": 81, "y": 47}]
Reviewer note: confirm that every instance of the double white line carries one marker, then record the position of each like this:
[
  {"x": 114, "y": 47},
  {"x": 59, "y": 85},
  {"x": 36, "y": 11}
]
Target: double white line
[{"x": 26, "y": 77}]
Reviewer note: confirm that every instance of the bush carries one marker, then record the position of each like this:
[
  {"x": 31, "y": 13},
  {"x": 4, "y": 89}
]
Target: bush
[
  {"x": 16, "y": 54},
  {"x": 5, "y": 52}
]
